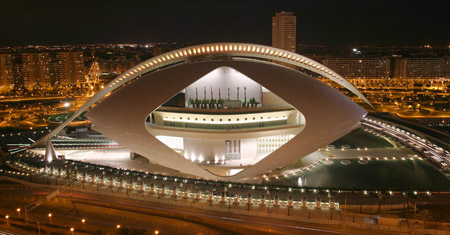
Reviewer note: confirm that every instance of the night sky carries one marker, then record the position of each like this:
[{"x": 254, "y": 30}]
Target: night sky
[{"x": 334, "y": 22}]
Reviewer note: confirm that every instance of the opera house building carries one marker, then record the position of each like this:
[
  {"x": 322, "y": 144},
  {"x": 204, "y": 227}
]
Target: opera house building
[{"x": 224, "y": 111}]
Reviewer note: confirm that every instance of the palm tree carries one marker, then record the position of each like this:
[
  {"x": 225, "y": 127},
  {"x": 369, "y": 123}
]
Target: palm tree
[
  {"x": 220, "y": 103},
  {"x": 197, "y": 103},
  {"x": 213, "y": 103}
]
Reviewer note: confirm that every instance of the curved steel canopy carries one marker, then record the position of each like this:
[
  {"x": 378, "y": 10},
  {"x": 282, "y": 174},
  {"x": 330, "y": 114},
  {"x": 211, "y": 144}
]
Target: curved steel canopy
[{"x": 213, "y": 49}]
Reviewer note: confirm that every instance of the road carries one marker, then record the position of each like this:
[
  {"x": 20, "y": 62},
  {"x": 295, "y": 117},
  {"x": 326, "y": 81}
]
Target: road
[
  {"x": 6, "y": 232},
  {"x": 429, "y": 149},
  {"x": 105, "y": 212}
]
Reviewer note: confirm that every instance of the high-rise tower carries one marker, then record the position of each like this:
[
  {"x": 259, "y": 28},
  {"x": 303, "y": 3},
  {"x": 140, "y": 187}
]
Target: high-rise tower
[
  {"x": 36, "y": 69},
  {"x": 6, "y": 70},
  {"x": 70, "y": 67},
  {"x": 284, "y": 29}
]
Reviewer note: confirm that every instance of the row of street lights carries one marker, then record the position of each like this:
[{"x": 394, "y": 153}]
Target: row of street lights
[
  {"x": 72, "y": 229},
  {"x": 156, "y": 232},
  {"x": 49, "y": 216}
]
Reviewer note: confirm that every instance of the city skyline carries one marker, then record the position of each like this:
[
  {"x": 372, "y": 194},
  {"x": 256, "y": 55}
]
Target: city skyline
[{"x": 319, "y": 22}]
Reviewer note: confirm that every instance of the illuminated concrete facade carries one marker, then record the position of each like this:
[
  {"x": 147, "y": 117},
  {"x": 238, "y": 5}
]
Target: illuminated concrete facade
[
  {"x": 6, "y": 70},
  {"x": 355, "y": 68},
  {"x": 327, "y": 113},
  {"x": 69, "y": 67},
  {"x": 422, "y": 68},
  {"x": 227, "y": 126},
  {"x": 44, "y": 68},
  {"x": 123, "y": 116},
  {"x": 36, "y": 69}
]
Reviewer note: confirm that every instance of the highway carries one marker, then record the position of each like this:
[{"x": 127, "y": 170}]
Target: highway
[
  {"x": 105, "y": 212},
  {"x": 430, "y": 150},
  {"x": 6, "y": 232}
]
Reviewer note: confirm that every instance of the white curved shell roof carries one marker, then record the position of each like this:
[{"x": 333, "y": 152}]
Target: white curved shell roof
[
  {"x": 210, "y": 50},
  {"x": 329, "y": 114}
]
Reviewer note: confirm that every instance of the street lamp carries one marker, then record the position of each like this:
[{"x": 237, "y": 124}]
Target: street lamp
[
  {"x": 83, "y": 221},
  {"x": 156, "y": 232},
  {"x": 71, "y": 230},
  {"x": 18, "y": 211},
  {"x": 118, "y": 226},
  {"x": 50, "y": 217},
  {"x": 7, "y": 220}
]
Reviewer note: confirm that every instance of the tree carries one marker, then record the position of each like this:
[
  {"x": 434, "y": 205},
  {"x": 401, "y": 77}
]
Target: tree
[
  {"x": 205, "y": 102},
  {"x": 220, "y": 103},
  {"x": 197, "y": 103},
  {"x": 191, "y": 102},
  {"x": 212, "y": 103}
]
